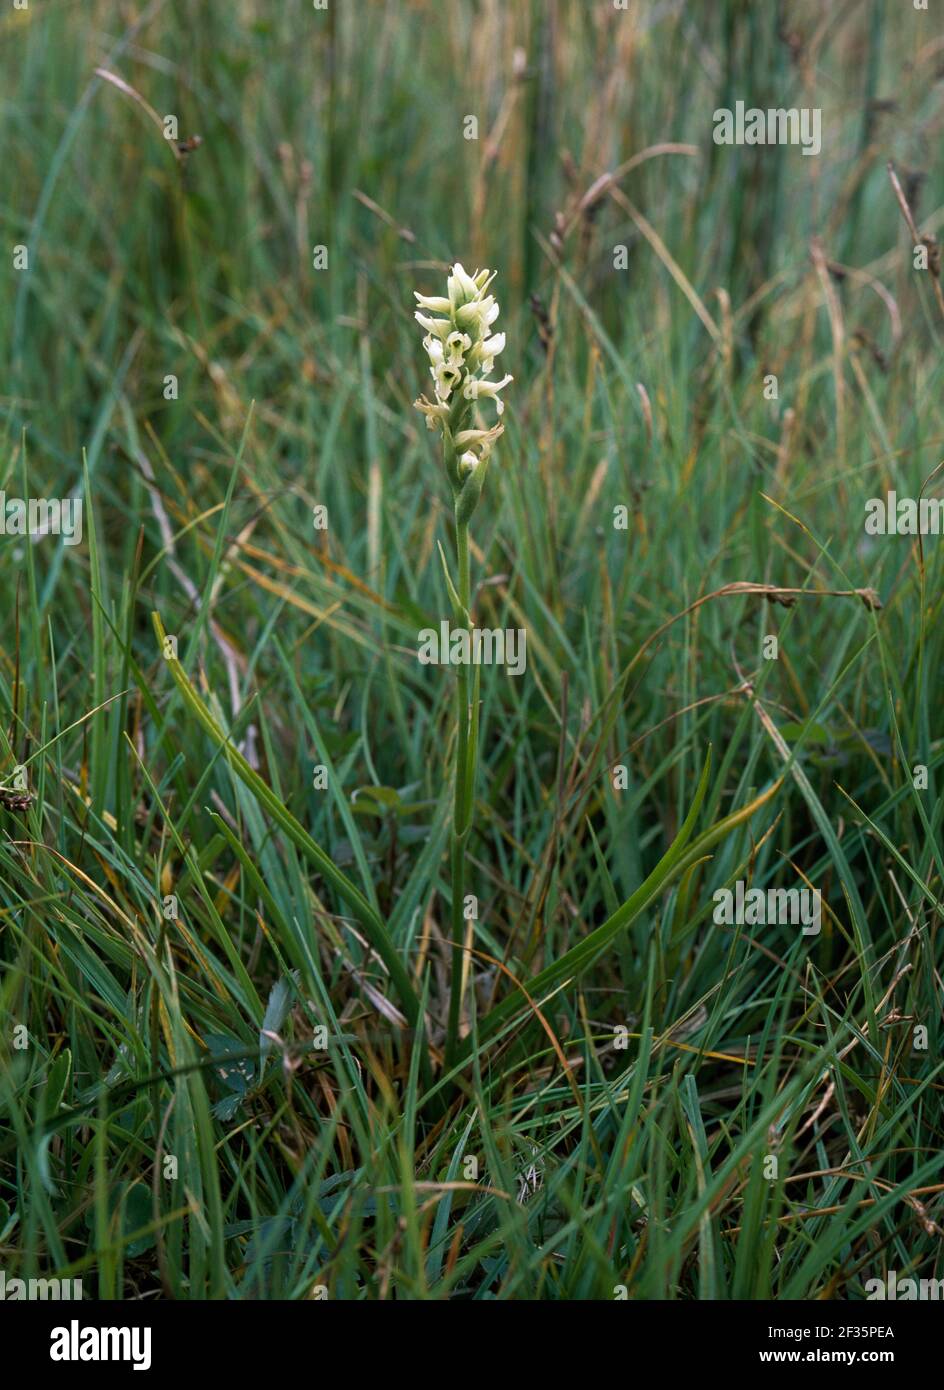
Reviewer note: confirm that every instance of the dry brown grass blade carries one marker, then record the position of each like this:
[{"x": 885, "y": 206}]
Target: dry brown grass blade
[{"x": 933, "y": 248}]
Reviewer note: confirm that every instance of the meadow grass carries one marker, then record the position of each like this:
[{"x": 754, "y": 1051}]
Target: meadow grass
[{"x": 251, "y": 1099}]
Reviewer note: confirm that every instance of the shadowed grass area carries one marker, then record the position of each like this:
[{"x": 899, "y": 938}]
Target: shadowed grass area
[{"x": 224, "y": 857}]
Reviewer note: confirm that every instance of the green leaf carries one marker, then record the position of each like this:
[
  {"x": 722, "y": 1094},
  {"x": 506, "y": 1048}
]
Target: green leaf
[{"x": 57, "y": 1080}]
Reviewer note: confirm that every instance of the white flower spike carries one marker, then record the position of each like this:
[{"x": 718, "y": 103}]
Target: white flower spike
[{"x": 462, "y": 355}]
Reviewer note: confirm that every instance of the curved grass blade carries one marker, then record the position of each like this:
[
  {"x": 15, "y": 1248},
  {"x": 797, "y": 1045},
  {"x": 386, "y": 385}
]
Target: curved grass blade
[
  {"x": 373, "y": 927},
  {"x": 674, "y": 862}
]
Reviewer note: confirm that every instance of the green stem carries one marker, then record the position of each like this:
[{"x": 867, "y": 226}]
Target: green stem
[{"x": 462, "y": 806}]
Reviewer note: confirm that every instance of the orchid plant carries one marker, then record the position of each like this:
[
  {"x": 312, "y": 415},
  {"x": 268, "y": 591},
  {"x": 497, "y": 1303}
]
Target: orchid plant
[{"x": 462, "y": 352}]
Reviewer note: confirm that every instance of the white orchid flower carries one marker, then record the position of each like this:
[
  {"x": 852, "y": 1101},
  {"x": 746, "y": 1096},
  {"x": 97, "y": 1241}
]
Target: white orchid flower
[
  {"x": 465, "y": 438},
  {"x": 474, "y": 389},
  {"x": 437, "y": 327},
  {"x": 462, "y": 287},
  {"x": 436, "y": 415},
  {"x": 458, "y": 344},
  {"x": 434, "y": 349},
  {"x": 434, "y": 302},
  {"x": 477, "y": 315},
  {"x": 447, "y": 376}
]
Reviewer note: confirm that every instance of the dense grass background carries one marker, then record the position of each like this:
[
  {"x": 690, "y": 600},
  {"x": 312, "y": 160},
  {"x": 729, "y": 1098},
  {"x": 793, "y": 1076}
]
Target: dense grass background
[{"x": 298, "y": 1166}]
